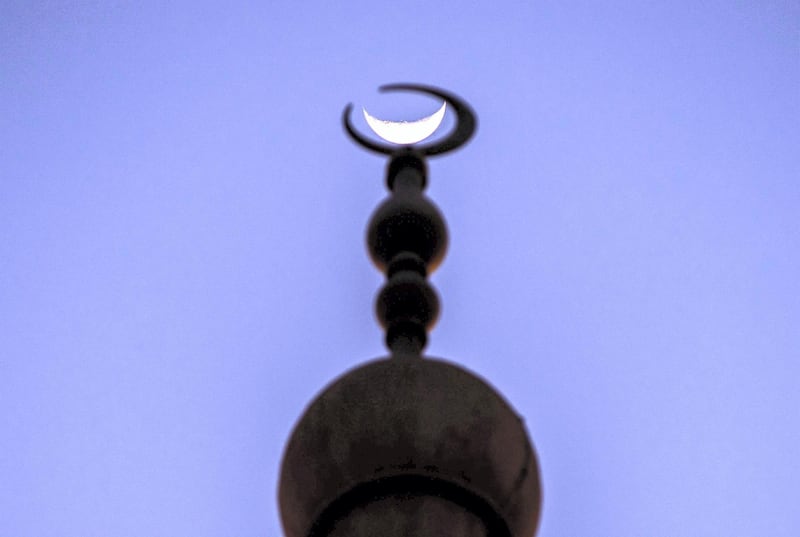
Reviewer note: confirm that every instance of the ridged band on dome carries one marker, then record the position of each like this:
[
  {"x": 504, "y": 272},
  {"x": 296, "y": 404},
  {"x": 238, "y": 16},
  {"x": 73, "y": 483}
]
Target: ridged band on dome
[{"x": 406, "y": 485}]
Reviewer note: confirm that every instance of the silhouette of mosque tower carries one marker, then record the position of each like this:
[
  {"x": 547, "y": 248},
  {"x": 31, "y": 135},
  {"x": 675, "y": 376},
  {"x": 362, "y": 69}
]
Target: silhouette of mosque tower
[{"x": 407, "y": 445}]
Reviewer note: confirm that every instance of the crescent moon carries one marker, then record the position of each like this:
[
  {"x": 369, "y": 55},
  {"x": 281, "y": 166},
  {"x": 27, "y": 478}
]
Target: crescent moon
[
  {"x": 463, "y": 130},
  {"x": 406, "y": 132}
]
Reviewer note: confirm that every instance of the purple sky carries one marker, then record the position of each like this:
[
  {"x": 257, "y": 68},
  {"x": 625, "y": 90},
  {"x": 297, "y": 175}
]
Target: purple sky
[{"x": 182, "y": 261}]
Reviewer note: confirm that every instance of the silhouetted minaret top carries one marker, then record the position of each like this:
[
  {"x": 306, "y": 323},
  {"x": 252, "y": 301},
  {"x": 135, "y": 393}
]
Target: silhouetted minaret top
[
  {"x": 409, "y": 448},
  {"x": 407, "y": 239}
]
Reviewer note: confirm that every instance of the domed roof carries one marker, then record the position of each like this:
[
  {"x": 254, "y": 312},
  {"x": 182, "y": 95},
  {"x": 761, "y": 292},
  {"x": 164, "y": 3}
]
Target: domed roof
[{"x": 415, "y": 426}]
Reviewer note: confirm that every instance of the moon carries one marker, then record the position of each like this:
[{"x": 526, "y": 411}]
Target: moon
[{"x": 406, "y": 132}]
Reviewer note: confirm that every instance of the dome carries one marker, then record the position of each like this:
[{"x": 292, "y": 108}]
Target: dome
[{"x": 423, "y": 431}]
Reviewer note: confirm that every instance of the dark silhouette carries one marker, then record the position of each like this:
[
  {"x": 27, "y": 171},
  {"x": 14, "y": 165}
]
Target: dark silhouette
[{"x": 405, "y": 446}]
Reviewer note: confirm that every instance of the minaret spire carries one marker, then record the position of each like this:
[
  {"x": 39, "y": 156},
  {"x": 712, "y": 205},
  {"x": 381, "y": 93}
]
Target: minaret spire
[
  {"x": 407, "y": 235},
  {"x": 409, "y": 447},
  {"x": 407, "y": 239}
]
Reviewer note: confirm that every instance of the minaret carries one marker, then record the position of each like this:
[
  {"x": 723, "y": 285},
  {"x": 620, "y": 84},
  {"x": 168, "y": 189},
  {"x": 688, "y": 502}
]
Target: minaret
[{"x": 408, "y": 445}]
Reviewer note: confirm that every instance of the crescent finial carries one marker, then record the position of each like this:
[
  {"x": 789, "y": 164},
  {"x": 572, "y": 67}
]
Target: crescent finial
[{"x": 458, "y": 136}]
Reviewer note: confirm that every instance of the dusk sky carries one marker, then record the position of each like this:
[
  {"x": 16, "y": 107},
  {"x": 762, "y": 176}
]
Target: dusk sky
[{"x": 183, "y": 266}]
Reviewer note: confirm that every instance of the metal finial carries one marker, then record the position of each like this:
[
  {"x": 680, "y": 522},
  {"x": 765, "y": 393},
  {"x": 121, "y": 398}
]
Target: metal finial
[
  {"x": 461, "y": 133},
  {"x": 407, "y": 235}
]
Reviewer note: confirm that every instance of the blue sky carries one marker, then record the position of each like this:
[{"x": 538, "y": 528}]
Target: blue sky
[{"x": 182, "y": 261}]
